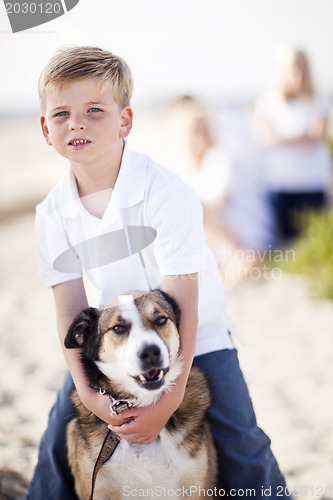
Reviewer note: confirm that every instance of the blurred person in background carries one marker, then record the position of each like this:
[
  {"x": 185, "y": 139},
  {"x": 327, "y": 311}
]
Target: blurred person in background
[
  {"x": 212, "y": 149},
  {"x": 290, "y": 124}
]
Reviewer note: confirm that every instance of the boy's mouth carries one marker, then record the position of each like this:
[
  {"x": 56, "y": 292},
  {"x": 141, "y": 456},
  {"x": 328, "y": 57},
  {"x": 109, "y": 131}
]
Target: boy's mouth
[{"x": 78, "y": 142}]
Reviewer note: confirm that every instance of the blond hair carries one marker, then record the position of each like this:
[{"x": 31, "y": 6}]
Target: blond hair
[
  {"x": 77, "y": 63},
  {"x": 287, "y": 57}
]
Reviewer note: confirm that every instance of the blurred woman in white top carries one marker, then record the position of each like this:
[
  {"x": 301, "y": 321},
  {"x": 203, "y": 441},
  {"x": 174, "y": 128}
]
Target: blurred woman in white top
[
  {"x": 212, "y": 149},
  {"x": 290, "y": 122}
]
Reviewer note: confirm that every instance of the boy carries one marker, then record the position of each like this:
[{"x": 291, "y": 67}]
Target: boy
[{"x": 86, "y": 115}]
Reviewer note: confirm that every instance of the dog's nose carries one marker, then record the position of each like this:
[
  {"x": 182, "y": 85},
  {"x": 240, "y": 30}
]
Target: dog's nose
[{"x": 150, "y": 356}]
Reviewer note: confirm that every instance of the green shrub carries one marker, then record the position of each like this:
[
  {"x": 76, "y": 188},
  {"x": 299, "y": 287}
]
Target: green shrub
[{"x": 314, "y": 253}]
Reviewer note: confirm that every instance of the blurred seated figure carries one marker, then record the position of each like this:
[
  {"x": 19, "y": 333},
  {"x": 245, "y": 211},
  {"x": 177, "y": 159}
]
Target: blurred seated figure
[
  {"x": 290, "y": 122},
  {"x": 213, "y": 151}
]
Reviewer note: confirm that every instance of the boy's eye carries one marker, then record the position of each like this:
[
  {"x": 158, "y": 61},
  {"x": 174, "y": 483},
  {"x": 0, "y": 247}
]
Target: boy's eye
[
  {"x": 61, "y": 113},
  {"x": 94, "y": 110}
]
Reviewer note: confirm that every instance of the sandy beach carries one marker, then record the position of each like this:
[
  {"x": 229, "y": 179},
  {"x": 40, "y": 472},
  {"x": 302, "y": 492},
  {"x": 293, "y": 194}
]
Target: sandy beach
[{"x": 287, "y": 355}]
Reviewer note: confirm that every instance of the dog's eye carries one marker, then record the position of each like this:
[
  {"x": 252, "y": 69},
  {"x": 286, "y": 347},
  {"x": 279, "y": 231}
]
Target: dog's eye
[
  {"x": 119, "y": 328},
  {"x": 161, "y": 321}
]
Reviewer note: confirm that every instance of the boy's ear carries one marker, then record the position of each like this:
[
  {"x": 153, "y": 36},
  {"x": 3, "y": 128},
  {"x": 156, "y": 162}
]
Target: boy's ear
[
  {"x": 45, "y": 130},
  {"x": 126, "y": 121}
]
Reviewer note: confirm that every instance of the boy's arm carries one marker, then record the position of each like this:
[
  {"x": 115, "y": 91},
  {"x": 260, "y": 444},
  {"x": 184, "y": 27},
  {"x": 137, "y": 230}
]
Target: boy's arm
[
  {"x": 184, "y": 290},
  {"x": 146, "y": 423},
  {"x": 267, "y": 136},
  {"x": 70, "y": 299}
]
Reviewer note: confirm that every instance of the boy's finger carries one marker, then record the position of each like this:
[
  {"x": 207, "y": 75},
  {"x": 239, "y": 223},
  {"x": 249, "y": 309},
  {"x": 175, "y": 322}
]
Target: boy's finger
[
  {"x": 119, "y": 422},
  {"x": 123, "y": 428},
  {"x": 132, "y": 436}
]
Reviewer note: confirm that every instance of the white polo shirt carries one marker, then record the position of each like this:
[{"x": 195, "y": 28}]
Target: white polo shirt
[
  {"x": 152, "y": 227},
  {"x": 295, "y": 167}
]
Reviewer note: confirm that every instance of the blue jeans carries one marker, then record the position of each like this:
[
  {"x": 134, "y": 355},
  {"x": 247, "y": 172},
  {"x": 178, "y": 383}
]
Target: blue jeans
[
  {"x": 53, "y": 479},
  {"x": 288, "y": 207},
  {"x": 245, "y": 458}
]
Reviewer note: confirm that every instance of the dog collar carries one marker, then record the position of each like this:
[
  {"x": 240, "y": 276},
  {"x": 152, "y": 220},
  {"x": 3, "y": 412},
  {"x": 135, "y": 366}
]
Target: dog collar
[{"x": 117, "y": 406}]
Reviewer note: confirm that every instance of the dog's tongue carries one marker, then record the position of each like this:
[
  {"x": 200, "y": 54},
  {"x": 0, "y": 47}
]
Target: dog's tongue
[{"x": 151, "y": 374}]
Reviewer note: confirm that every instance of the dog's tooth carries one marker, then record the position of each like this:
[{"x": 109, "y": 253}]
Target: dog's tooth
[
  {"x": 160, "y": 375},
  {"x": 142, "y": 378}
]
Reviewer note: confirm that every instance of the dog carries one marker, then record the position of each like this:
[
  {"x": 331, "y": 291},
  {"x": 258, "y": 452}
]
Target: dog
[{"x": 131, "y": 352}]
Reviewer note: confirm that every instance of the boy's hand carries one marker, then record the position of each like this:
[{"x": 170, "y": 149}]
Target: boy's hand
[
  {"x": 143, "y": 424},
  {"x": 139, "y": 424}
]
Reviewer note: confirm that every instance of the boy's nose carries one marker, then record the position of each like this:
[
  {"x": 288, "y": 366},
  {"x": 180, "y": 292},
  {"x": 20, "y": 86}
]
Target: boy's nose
[{"x": 77, "y": 123}]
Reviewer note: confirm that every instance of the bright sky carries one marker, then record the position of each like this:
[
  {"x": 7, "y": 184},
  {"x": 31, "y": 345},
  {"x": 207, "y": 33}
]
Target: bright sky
[{"x": 220, "y": 49}]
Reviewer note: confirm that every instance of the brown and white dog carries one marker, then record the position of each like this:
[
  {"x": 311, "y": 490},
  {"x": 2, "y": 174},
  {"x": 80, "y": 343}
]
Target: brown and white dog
[{"x": 131, "y": 351}]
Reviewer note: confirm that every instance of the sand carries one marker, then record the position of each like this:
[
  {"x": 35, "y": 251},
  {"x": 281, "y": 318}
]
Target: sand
[
  {"x": 287, "y": 362},
  {"x": 287, "y": 358}
]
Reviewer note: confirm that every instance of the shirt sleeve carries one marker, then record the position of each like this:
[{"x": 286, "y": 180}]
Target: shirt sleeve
[
  {"x": 56, "y": 259},
  {"x": 176, "y": 215}
]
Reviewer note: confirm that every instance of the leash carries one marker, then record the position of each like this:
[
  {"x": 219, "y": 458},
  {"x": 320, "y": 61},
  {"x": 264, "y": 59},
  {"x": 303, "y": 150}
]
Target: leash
[
  {"x": 110, "y": 443},
  {"x": 111, "y": 440}
]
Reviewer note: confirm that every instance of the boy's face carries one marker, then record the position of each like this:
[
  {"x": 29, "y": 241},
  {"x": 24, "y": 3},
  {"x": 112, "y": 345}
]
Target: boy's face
[{"x": 84, "y": 124}]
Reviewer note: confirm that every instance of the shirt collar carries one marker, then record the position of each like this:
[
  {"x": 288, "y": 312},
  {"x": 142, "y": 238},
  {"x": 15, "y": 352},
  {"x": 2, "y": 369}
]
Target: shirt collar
[
  {"x": 69, "y": 199},
  {"x": 131, "y": 180},
  {"x": 129, "y": 188}
]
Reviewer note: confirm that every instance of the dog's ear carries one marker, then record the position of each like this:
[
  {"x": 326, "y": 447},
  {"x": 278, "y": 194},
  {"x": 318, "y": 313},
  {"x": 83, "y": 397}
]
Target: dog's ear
[
  {"x": 174, "y": 306},
  {"x": 82, "y": 328}
]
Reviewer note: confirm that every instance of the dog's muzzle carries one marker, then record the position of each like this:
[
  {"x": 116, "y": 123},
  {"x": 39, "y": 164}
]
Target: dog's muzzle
[{"x": 151, "y": 361}]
